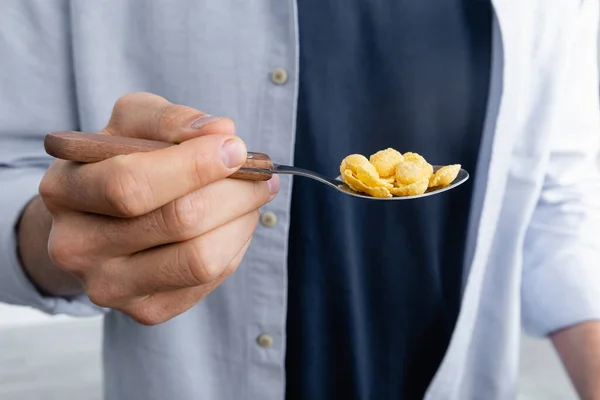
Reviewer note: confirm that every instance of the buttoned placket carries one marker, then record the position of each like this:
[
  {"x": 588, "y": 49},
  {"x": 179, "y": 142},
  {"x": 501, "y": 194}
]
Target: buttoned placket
[{"x": 267, "y": 264}]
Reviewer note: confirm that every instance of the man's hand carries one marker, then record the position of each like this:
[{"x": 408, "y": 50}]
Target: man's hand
[
  {"x": 579, "y": 349},
  {"x": 151, "y": 234}
]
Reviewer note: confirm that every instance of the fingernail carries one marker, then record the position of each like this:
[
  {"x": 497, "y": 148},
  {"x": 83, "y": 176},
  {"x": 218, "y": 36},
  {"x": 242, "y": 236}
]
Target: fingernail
[
  {"x": 233, "y": 153},
  {"x": 203, "y": 121},
  {"x": 273, "y": 184}
]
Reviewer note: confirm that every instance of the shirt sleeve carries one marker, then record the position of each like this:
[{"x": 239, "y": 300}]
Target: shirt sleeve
[
  {"x": 561, "y": 275},
  {"x": 37, "y": 96}
]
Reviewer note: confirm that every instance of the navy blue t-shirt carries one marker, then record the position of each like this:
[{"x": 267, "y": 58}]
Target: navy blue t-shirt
[{"x": 374, "y": 287}]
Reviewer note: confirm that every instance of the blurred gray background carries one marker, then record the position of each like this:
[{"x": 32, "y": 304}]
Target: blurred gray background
[{"x": 59, "y": 358}]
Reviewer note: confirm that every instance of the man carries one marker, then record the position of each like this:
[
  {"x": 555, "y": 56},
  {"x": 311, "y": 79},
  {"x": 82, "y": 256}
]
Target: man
[{"x": 334, "y": 297}]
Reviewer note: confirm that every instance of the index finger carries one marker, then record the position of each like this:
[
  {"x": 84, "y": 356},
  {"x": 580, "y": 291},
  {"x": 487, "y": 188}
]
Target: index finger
[
  {"x": 135, "y": 184},
  {"x": 149, "y": 116}
]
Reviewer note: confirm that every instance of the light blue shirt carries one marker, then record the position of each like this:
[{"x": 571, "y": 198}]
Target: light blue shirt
[{"x": 533, "y": 254}]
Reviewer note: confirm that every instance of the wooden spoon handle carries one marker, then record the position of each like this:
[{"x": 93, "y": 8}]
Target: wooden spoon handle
[{"x": 90, "y": 148}]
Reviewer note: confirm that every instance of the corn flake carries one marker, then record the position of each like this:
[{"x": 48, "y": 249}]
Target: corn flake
[
  {"x": 445, "y": 175},
  {"x": 362, "y": 169},
  {"x": 389, "y": 173},
  {"x": 359, "y": 186},
  {"x": 411, "y": 171},
  {"x": 413, "y": 189},
  {"x": 385, "y": 162}
]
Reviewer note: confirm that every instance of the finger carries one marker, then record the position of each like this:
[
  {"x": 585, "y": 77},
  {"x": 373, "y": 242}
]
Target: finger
[
  {"x": 196, "y": 262},
  {"x": 135, "y": 184},
  {"x": 148, "y": 116},
  {"x": 185, "y": 218},
  {"x": 160, "y": 307}
]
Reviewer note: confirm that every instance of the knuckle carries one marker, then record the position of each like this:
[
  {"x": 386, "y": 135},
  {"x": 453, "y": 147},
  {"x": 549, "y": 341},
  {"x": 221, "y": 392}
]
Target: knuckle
[
  {"x": 99, "y": 293},
  {"x": 124, "y": 192},
  {"x": 63, "y": 253},
  {"x": 46, "y": 188},
  {"x": 128, "y": 100},
  {"x": 126, "y": 105},
  {"x": 49, "y": 187},
  {"x": 148, "y": 313},
  {"x": 121, "y": 110},
  {"x": 124, "y": 102},
  {"x": 103, "y": 290},
  {"x": 186, "y": 213},
  {"x": 60, "y": 253},
  {"x": 173, "y": 116},
  {"x": 70, "y": 248},
  {"x": 202, "y": 267}
]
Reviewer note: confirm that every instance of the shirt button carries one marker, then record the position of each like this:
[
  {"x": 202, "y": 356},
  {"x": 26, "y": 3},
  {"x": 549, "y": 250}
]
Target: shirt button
[
  {"x": 268, "y": 219},
  {"x": 279, "y": 76},
  {"x": 264, "y": 340}
]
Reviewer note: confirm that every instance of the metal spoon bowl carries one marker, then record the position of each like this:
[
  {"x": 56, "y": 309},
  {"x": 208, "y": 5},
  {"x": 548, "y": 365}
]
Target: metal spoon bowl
[
  {"x": 89, "y": 147},
  {"x": 340, "y": 185}
]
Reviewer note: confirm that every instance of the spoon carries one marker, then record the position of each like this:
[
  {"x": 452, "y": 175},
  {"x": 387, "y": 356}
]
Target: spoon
[{"x": 90, "y": 147}]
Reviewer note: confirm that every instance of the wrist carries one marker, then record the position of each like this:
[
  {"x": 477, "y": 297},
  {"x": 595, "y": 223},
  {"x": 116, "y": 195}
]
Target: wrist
[{"x": 579, "y": 350}]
